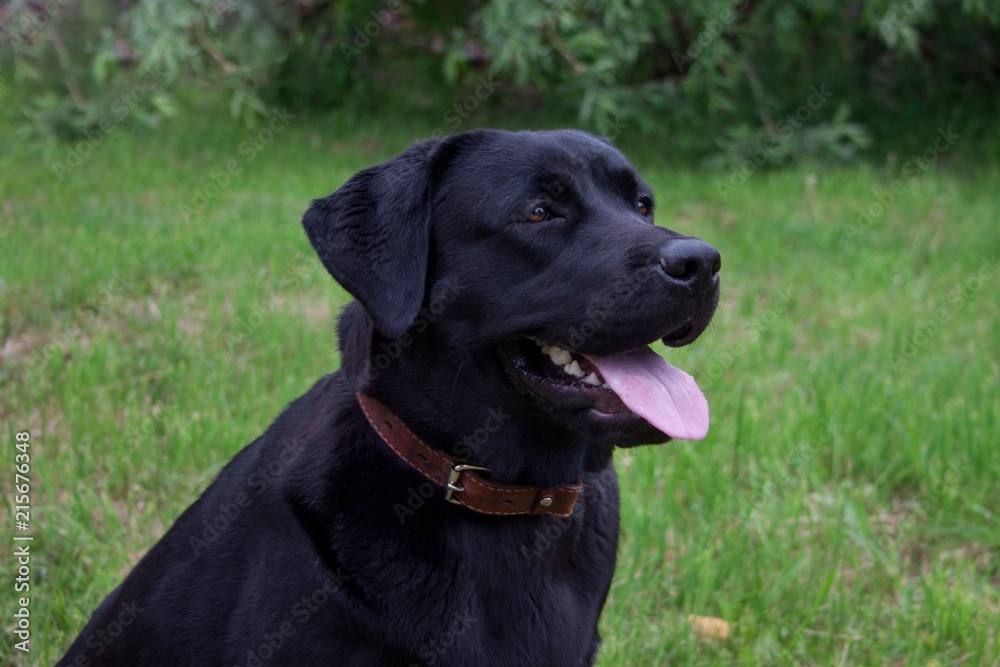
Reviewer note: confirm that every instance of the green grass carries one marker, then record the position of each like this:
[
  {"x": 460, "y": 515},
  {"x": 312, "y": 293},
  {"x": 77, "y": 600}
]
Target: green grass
[{"x": 843, "y": 509}]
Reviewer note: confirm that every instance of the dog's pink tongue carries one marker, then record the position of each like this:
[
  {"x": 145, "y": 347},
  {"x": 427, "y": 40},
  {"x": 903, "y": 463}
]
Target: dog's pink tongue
[{"x": 666, "y": 397}]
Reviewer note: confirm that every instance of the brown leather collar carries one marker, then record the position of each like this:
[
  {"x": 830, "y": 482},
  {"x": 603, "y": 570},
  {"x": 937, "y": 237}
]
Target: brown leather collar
[{"x": 461, "y": 482}]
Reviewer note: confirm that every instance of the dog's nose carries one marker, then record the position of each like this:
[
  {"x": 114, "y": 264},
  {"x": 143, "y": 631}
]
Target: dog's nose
[{"x": 690, "y": 260}]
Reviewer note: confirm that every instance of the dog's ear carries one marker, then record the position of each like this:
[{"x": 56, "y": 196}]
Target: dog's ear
[{"x": 373, "y": 234}]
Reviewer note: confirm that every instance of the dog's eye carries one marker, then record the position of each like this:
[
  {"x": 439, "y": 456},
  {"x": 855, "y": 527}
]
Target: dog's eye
[
  {"x": 643, "y": 206},
  {"x": 539, "y": 214}
]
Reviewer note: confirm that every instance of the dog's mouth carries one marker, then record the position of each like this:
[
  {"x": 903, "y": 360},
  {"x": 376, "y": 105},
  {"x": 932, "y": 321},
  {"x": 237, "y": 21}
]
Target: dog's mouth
[{"x": 634, "y": 383}]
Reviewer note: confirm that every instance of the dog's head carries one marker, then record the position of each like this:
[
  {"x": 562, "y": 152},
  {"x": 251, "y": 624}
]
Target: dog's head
[{"x": 528, "y": 264}]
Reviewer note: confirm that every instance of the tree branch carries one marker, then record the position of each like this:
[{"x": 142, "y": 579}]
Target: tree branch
[{"x": 62, "y": 55}]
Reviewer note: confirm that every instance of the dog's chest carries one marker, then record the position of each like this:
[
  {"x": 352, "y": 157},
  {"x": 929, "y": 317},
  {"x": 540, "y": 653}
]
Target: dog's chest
[{"x": 536, "y": 594}]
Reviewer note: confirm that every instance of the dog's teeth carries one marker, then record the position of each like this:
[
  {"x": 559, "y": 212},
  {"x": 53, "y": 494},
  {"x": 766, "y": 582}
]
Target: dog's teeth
[
  {"x": 573, "y": 368},
  {"x": 592, "y": 379},
  {"x": 605, "y": 385},
  {"x": 559, "y": 356}
]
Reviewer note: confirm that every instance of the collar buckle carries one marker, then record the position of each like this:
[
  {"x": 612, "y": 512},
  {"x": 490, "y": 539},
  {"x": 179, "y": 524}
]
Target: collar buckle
[
  {"x": 479, "y": 494},
  {"x": 452, "y": 486}
]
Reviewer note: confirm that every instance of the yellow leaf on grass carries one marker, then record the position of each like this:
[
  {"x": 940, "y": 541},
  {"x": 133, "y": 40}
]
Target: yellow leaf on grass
[{"x": 709, "y": 627}]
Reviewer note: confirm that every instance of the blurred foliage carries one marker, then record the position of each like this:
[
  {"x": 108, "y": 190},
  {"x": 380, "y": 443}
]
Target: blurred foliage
[{"x": 719, "y": 77}]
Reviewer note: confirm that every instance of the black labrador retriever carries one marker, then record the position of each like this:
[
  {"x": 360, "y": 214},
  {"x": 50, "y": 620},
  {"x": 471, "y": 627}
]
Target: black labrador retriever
[{"x": 448, "y": 497}]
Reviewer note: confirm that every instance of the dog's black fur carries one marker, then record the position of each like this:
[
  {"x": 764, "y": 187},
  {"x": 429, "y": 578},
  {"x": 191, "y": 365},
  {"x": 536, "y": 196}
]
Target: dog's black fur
[{"x": 316, "y": 545}]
